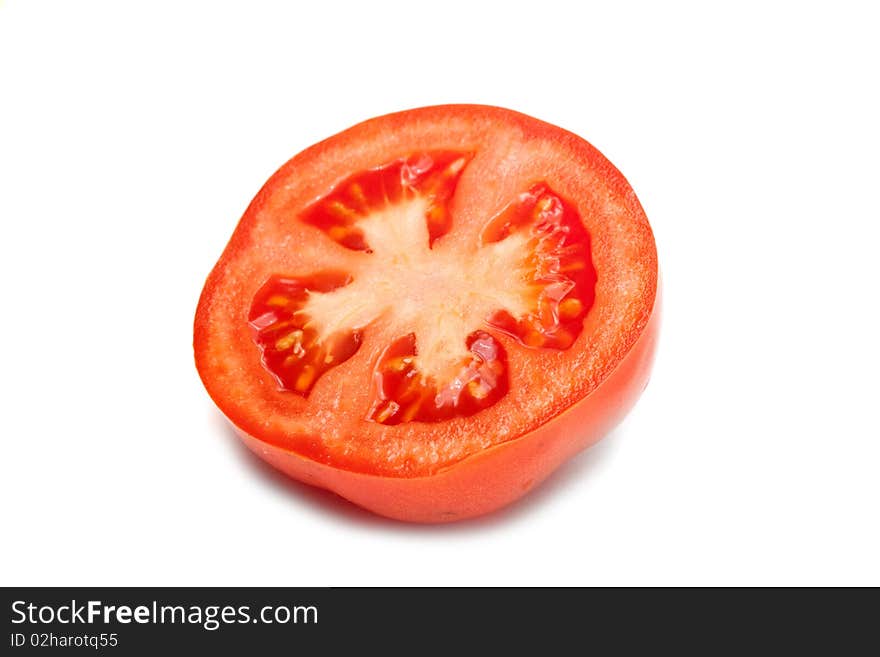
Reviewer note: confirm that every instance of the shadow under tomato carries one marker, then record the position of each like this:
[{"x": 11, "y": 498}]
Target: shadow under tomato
[{"x": 329, "y": 503}]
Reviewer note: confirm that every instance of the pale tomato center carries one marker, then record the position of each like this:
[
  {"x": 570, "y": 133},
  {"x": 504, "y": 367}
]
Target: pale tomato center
[{"x": 530, "y": 277}]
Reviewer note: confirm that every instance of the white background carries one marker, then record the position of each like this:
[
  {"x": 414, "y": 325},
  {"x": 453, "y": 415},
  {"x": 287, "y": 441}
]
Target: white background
[{"x": 133, "y": 135}]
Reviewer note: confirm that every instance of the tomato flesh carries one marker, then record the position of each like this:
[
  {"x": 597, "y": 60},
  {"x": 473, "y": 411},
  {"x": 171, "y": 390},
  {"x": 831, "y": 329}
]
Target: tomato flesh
[{"x": 431, "y": 311}]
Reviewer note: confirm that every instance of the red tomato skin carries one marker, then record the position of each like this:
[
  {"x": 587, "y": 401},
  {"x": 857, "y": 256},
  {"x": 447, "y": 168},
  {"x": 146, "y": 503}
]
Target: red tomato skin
[{"x": 497, "y": 476}]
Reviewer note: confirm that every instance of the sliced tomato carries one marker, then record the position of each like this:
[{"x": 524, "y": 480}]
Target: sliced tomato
[{"x": 429, "y": 312}]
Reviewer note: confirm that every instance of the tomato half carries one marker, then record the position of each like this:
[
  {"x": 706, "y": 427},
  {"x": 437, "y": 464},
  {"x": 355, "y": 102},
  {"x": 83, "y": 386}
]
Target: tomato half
[{"x": 429, "y": 312}]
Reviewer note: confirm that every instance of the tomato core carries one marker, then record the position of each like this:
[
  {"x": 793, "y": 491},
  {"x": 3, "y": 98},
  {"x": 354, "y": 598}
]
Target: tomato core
[{"x": 530, "y": 277}]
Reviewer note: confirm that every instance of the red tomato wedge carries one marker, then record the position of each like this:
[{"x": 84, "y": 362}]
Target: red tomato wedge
[{"x": 431, "y": 311}]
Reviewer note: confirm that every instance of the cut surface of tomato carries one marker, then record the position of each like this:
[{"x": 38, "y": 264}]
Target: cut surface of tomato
[{"x": 413, "y": 295}]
